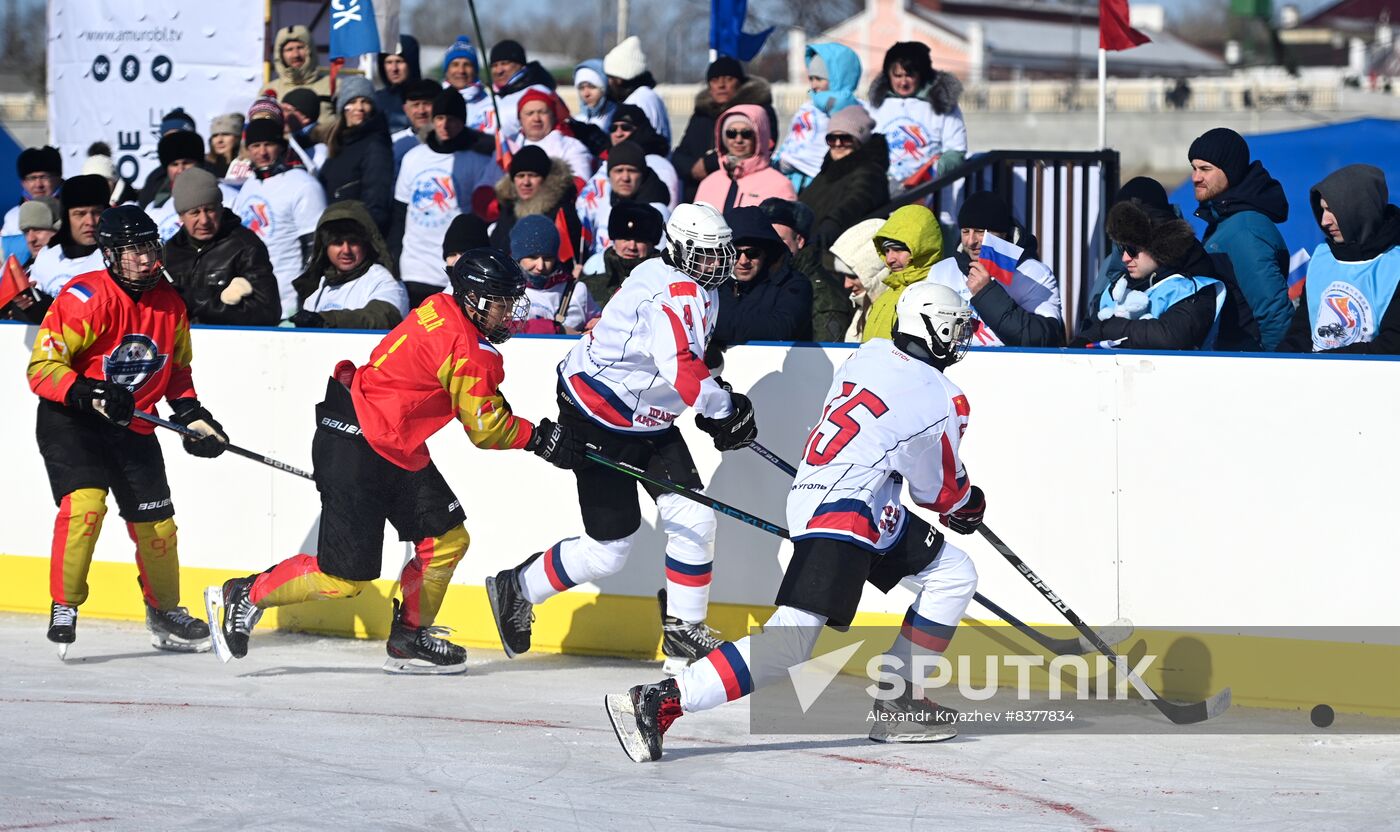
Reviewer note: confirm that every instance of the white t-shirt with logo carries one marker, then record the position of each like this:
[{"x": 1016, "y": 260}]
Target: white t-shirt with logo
[
  {"x": 426, "y": 187},
  {"x": 375, "y": 284},
  {"x": 52, "y": 269},
  {"x": 280, "y": 209}
]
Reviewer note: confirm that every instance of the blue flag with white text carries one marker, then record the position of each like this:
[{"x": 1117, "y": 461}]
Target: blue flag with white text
[
  {"x": 353, "y": 30},
  {"x": 727, "y": 35}
]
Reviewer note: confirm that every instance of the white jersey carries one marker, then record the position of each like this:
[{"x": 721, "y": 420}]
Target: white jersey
[
  {"x": 52, "y": 268},
  {"x": 480, "y": 115},
  {"x": 1033, "y": 288},
  {"x": 168, "y": 222},
  {"x": 804, "y": 147},
  {"x": 916, "y": 134},
  {"x": 544, "y": 304},
  {"x": 642, "y": 364},
  {"x": 280, "y": 210},
  {"x": 375, "y": 284},
  {"x": 556, "y": 145},
  {"x": 888, "y": 419},
  {"x": 426, "y": 186},
  {"x": 509, "y": 105}
]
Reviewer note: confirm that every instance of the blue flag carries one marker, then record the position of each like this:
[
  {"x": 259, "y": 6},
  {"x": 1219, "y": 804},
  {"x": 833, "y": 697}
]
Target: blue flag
[
  {"x": 353, "y": 30},
  {"x": 727, "y": 35}
]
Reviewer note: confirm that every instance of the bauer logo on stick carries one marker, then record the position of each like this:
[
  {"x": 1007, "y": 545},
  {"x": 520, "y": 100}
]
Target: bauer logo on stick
[{"x": 133, "y": 361}]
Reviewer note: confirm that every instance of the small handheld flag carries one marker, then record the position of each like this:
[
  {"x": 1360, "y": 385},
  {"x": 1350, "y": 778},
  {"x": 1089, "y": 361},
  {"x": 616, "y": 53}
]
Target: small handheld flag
[
  {"x": 13, "y": 282},
  {"x": 999, "y": 257}
]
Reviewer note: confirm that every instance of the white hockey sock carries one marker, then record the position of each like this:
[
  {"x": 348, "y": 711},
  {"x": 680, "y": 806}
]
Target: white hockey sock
[
  {"x": 729, "y": 673},
  {"x": 571, "y": 562},
  {"x": 690, "y": 555},
  {"x": 947, "y": 586}
]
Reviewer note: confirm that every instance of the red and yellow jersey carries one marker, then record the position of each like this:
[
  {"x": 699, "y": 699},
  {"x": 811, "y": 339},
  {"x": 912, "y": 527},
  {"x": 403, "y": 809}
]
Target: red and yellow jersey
[
  {"x": 95, "y": 329},
  {"x": 434, "y": 367}
]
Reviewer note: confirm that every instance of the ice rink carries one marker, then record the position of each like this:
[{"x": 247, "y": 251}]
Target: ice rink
[{"x": 308, "y": 733}]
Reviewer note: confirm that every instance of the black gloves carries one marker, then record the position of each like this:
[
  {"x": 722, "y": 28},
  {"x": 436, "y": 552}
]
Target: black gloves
[
  {"x": 966, "y": 519},
  {"x": 307, "y": 320},
  {"x": 109, "y": 400},
  {"x": 556, "y": 445},
  {"x": 735, "y": 431},
  {"x": 189, "y": 413}
]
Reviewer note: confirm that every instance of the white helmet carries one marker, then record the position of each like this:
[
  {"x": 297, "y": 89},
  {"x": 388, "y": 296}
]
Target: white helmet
[
  {"x": 701, "y": 244},
  {"x": 936, "y": 317}
]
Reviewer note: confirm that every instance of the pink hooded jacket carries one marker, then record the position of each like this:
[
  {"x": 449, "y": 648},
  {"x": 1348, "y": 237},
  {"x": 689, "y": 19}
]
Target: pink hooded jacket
[{"x": 756, "y": 179}]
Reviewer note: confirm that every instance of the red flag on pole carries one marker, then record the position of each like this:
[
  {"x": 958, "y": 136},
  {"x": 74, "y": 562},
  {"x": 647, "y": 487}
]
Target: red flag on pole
[
  {"x": 1114, "y": 32},
  {"x": 13, "y": 281}
]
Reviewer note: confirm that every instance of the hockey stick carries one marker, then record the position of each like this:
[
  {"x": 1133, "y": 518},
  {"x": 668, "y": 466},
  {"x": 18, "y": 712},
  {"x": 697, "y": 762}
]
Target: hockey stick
[
  {"x": 1179, "y": 713},
  {"x": 489, "y": 85},
  {"x": 243, "y": 452},
  {"x": 1114, "y": 633}
]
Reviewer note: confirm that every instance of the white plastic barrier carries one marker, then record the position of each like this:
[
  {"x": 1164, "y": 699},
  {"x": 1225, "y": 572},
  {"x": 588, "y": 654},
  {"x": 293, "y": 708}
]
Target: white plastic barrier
[{"x": 1176, "y": 490}]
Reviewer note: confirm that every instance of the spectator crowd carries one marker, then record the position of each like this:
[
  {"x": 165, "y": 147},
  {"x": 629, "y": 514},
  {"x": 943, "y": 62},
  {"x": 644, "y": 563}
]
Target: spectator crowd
[{"x": 332, "y": 203}]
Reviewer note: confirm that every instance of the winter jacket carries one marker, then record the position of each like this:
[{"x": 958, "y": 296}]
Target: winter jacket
[
  {"x": 856, "y": 253},
  {"x": 804, "y": 147},
  {"x": 554, "y": 199},
  {"x": 387, "y": 307},
  {"x": 1029, "y": 313},
  {"x": 602, "y": 115},
  {"x": 917, "y": 228},
  {"x": 744, "y": 182},
  {"x": 698, "y": 142},
  {"x": 775, "y": 306},
  {"x": 1185, "y": 325},
  {"x": 831, "y": 307},
  {"x": 309, "y": 75},
  {"x": 602, "y": 286},
  {"x": 508, "y": 96},
  {"x": 925, "y": 126},
  {"x": 390, "y": 99},
  {"x": 362, "y": 168},
  {"x": 847, "y": 189},
  {"x": 1240, "y": 223},
  {"x": 641, "y": 92},
  {"x": 202, "y": 271},
  {"x": 1365, "y": 265}
]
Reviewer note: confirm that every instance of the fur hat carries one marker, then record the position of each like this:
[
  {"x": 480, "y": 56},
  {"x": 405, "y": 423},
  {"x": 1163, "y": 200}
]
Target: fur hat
[
  {"x": 85, "y": 191},
  {"x": 39, "y": 160},
  {"x": 423, "y": 89},
  {"x": 626, "y": 60},
  {"x": 631, "y": 220},
  {"x": 181, "y": 144},
  {"x": 1169, "y": 241}
]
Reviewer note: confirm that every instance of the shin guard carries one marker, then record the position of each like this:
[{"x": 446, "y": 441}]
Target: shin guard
[
  {"x": 426, "y": 576},
  {"x": 75, "y": 532},
  {"x": 299, "y": 578},
  {"x": 157, "y": 561}
]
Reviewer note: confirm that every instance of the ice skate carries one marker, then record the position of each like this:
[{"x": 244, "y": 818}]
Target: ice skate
[
  {"x": 230, "y": 629},
  {"x": 907, "y": 718},
  {"x": 641, "y": 716},
  {"x": 177, "y": 631},
  {"x": 683, "y": 642},
  {"x": 63, "y": 627},
  {"x": 420, "y": 651},
  {"x": 512, "y": 611}
]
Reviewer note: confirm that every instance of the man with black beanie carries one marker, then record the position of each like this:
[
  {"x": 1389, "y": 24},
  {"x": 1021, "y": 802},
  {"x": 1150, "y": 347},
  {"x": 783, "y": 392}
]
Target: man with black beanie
[
  {"x": 1024, "y": 312},
  {"x": 512, "y": 74},
  {"x": 437, "y": 181},
  {"x": 726, "y": 85},
  {"x": 635, "y": 229},
  {"x": 629, "y": 177},
  {"x": 73, "y": 250},
  {"x": 40, "y": 172},
  {"x": 1241, "y": 204},
  {"x": 538, "y": 184}
]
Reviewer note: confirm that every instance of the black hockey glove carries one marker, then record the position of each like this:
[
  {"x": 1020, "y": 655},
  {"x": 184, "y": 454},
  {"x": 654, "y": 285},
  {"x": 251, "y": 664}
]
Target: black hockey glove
[
  {"x": 189, "y": 413},
  {"x": 556, "y": 445},
  {"x": 735, "y": 431},
  {"x": 966, "y": 519},
  {"x": 111, "y": 401},
  {"x": 307, "y": 320}
]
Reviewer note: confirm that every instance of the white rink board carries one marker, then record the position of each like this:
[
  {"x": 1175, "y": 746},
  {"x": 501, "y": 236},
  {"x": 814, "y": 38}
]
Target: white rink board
[{"x": 1175, "y": 490}]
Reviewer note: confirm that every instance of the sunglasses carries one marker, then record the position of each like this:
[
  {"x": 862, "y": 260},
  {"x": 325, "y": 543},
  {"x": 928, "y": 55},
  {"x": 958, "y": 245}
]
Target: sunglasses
[
  {"x": 623, "y": 127},
  {"x": 750, "y": 252},
  {"x": 1132, "y": 251},
  {"x": 739, "y": 134},
  {"x": 840, "y": 139}
]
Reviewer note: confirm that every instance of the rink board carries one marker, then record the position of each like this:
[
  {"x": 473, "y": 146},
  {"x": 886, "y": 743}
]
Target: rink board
[{"x": 1179, "y": 491}]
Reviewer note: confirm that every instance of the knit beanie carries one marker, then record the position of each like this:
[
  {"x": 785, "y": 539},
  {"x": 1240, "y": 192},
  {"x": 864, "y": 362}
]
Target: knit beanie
[
  {"x": 42, "y": 213},
  {"x": 39, "y": 160},
  {"x": 508, "y": 50},
  {"x": 987, "y": 211},
  {"x": 590, "y": 72},
  {"x": 181, "y": 144},
  {"x": 100, "y": 164},
  {"x": 85, "y": 191},
  {"x": 1225, "y": 149},
  {"x": 462, "y": 47},
  {"x": 467, "y": 231},
  {"x": 228, "y": 124},
  {"x": 264, "y": 130},
  {"x": 305, "y": 101},
  {"x": 449, "y": 102},
  {"x": 350, "y": 87},
  {"x": 638, "y": 221},
  {"x": 265, "y": 108},
  {"x": 530, "y": 159},
  {"x": 534, "y": 235},
  {"x": 626, "y": 60},
  {"x": 423, "y": 89},
  {"x": 725, "y": 66},
  {"x": 854, "y": 121},
  {"x": 177, "y": 119},
  {"x": 627, "y": 153},
  {"x": 195, "y": 187}
]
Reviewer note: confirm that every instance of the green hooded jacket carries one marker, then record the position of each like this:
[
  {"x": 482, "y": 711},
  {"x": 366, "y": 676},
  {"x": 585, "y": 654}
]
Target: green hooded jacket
[{"x": 917, "y": 228}]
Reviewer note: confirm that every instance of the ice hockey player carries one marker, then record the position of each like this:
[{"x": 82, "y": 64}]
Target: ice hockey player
[
  {"x": 890, "y": 417},
  {"x": 372, "y": 464},
  {"x": 114, "y": 341},
  {"x": 621, "y": 388}
]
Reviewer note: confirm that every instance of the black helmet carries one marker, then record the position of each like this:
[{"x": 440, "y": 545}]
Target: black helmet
[
  {"x": 126, "y": 228},
  {"x": 483, "y": 277}
]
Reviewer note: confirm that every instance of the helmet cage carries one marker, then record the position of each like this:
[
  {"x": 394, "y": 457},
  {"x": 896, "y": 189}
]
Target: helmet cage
[{"x": 125, "y": 263}]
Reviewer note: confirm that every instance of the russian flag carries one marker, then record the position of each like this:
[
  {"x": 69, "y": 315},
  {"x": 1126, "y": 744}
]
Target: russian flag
[
  {"x": 999, "y": 257},
  {"x": 1298, "y": 274}
]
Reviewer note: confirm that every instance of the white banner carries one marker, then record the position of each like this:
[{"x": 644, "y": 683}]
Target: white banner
[{"x": 117, "y": 66}]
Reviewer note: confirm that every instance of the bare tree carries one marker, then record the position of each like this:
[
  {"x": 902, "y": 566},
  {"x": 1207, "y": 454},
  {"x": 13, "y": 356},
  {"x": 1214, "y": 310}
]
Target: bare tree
[{"x": 25, "y": 43}]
